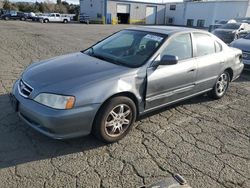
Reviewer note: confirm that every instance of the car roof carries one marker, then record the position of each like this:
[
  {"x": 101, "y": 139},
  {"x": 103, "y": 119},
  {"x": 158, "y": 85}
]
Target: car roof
[{"x": 168, "y": 30}]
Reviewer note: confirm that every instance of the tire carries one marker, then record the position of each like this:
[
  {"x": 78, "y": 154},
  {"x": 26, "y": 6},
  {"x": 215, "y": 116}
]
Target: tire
[
  {"x": 65, "y": 21},
  {"x": 22, "y": 19},
  {"x": 6, "y": 18},
  {"x": 115, "y": 119},
  {"x": 46, "y": 21},
  {"x": 221, "y": 86}
]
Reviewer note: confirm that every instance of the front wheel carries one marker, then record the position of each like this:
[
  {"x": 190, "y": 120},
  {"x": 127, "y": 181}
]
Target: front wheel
[
  {"x": 221, "y": 86},
  {"x": 115, "y": 119}
]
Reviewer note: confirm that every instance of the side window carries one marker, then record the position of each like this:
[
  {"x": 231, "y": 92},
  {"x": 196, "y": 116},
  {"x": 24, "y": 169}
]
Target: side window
[
  {"x": 180, "y": 46},
  {"x": 218, "y": 47},
  {"x": 123, "y": 41},
  {"x": 204, "y": 44},
  {"x": 52, "y": 15},
  {"x": 57, "y": 15}
]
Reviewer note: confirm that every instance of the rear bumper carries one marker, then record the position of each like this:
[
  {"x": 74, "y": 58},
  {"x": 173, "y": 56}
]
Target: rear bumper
[
  {"x": 237, "y": 69},
  {"x": 57, "y": 124}
]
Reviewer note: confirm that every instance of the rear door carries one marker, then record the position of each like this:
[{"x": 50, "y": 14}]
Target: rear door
[
  {"x": 168, "y": 83},
  {"x": 210, "y": 60}
]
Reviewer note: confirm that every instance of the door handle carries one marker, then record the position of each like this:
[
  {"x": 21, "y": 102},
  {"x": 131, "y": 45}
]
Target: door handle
[{"x": 191, "y": 70}]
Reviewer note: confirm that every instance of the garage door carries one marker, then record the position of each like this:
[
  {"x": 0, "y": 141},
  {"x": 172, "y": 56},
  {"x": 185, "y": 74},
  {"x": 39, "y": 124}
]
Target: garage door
[
  {"x": 151, "y": 15},
  {"x": 123, "y": 8}
]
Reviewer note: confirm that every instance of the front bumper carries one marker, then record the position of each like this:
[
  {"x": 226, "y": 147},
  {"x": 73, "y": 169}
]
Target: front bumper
[{"x": 57, "y": 124}]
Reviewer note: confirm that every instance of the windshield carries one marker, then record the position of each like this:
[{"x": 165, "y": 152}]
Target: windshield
[
  {"x": 231, "y": 26},
  {"x": 129, "y": 48},
  {"x": 247, "y": 37}
]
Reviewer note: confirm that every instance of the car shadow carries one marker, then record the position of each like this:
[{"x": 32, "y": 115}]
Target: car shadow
[
  {"x": 245, "y": 76},
  {"x": 195, "y": 100},
  {"x": 21, "y": 144}
]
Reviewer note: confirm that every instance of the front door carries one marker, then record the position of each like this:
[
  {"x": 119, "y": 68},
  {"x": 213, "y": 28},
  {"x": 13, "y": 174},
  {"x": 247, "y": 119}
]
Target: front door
[
  {"x": 168, "y": 83},
  {"x": 52, "y": 18}
]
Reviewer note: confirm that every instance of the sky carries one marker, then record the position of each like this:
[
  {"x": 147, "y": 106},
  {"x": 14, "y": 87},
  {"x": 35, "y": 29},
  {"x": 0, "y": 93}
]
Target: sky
[{"x": 77, "y": 1}]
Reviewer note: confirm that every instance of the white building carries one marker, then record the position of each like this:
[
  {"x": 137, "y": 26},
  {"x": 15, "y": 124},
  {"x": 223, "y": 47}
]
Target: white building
[
  {"x": 124, "y": 11},
  {"x": 205, "y": 13},
  {"x": 191, "y": 13}
]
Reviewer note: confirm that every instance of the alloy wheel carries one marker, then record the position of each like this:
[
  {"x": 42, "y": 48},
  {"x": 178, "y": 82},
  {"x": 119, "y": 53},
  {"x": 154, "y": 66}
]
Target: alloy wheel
[
  {"x": 118, "y": 120},
  {"x": 222, "y": 84}
]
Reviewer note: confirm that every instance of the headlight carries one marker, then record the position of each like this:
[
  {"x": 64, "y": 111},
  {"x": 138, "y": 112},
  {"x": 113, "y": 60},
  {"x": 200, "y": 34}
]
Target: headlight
[{"x": 55, "y": 101}]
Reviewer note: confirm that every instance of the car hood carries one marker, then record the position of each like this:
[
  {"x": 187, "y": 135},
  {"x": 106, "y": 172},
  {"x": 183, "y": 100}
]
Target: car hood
[
  {"x": 243, "y": 44},
  {"x": 67, "y": 71}
]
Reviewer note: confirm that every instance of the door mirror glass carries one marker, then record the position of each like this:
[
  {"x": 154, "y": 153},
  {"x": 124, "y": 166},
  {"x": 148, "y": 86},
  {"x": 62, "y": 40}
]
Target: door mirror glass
[{"x": 168, "y": 60}]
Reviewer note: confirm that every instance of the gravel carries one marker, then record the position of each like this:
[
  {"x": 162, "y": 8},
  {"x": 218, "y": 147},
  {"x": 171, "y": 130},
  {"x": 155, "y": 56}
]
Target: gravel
[{"x": 205, "y": 141}]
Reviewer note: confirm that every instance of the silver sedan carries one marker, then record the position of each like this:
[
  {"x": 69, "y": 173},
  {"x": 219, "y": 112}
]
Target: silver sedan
[{"x": 102, "y": 90}]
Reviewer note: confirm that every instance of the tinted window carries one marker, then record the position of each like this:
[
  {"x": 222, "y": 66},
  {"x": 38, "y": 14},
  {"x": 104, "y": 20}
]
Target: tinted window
[
  {"x": 204, "y": 44},
  {"x": 231, "y": 26},
  {"x": 57, "y": 15},
  {"x": 172, "y": 7},
  {"x": 200, "y": 23},
  {"x": 180, "y": 46},
  {"x": 190, "y": 22}
]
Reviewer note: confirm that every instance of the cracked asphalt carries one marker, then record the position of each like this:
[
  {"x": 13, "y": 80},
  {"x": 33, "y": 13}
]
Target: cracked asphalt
[{"x": 205, "y": 141}]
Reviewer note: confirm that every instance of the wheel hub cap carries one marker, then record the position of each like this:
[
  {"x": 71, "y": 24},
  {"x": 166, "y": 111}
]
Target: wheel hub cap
[
  {"x": 118, "y": 120},
  {"x": 222, "y": 84}
]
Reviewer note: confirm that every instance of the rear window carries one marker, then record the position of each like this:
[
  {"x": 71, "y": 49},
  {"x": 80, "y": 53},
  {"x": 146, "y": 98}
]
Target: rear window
[
  {"x": 231, "y": 26},
  {"x": 205, "y": 44}
]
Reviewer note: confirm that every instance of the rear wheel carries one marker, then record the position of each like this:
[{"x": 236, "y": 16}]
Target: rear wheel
[
  {"x": 115, "y": 119},
  {"x": 65, "y": 21},
  {"x": 6, "y": 18},
  {"x": 220, "y": 86}
]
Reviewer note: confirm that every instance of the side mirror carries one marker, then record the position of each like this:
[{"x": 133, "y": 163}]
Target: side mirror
[
  {"x": 168, "y": 60},
  {"x": 241, "y": 29}
]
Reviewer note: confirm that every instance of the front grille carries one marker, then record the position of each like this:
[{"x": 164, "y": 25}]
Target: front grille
[
  {"x": 24, "y": 89},
  {"x": 246, "y": 55}
]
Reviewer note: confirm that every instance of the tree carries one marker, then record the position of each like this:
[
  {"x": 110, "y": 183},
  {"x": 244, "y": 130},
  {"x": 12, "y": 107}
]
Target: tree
[
  {"x": 9, "y": 6},
  {"x": 6, "y": 5},
  {"x": 61, "y": 8}
]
